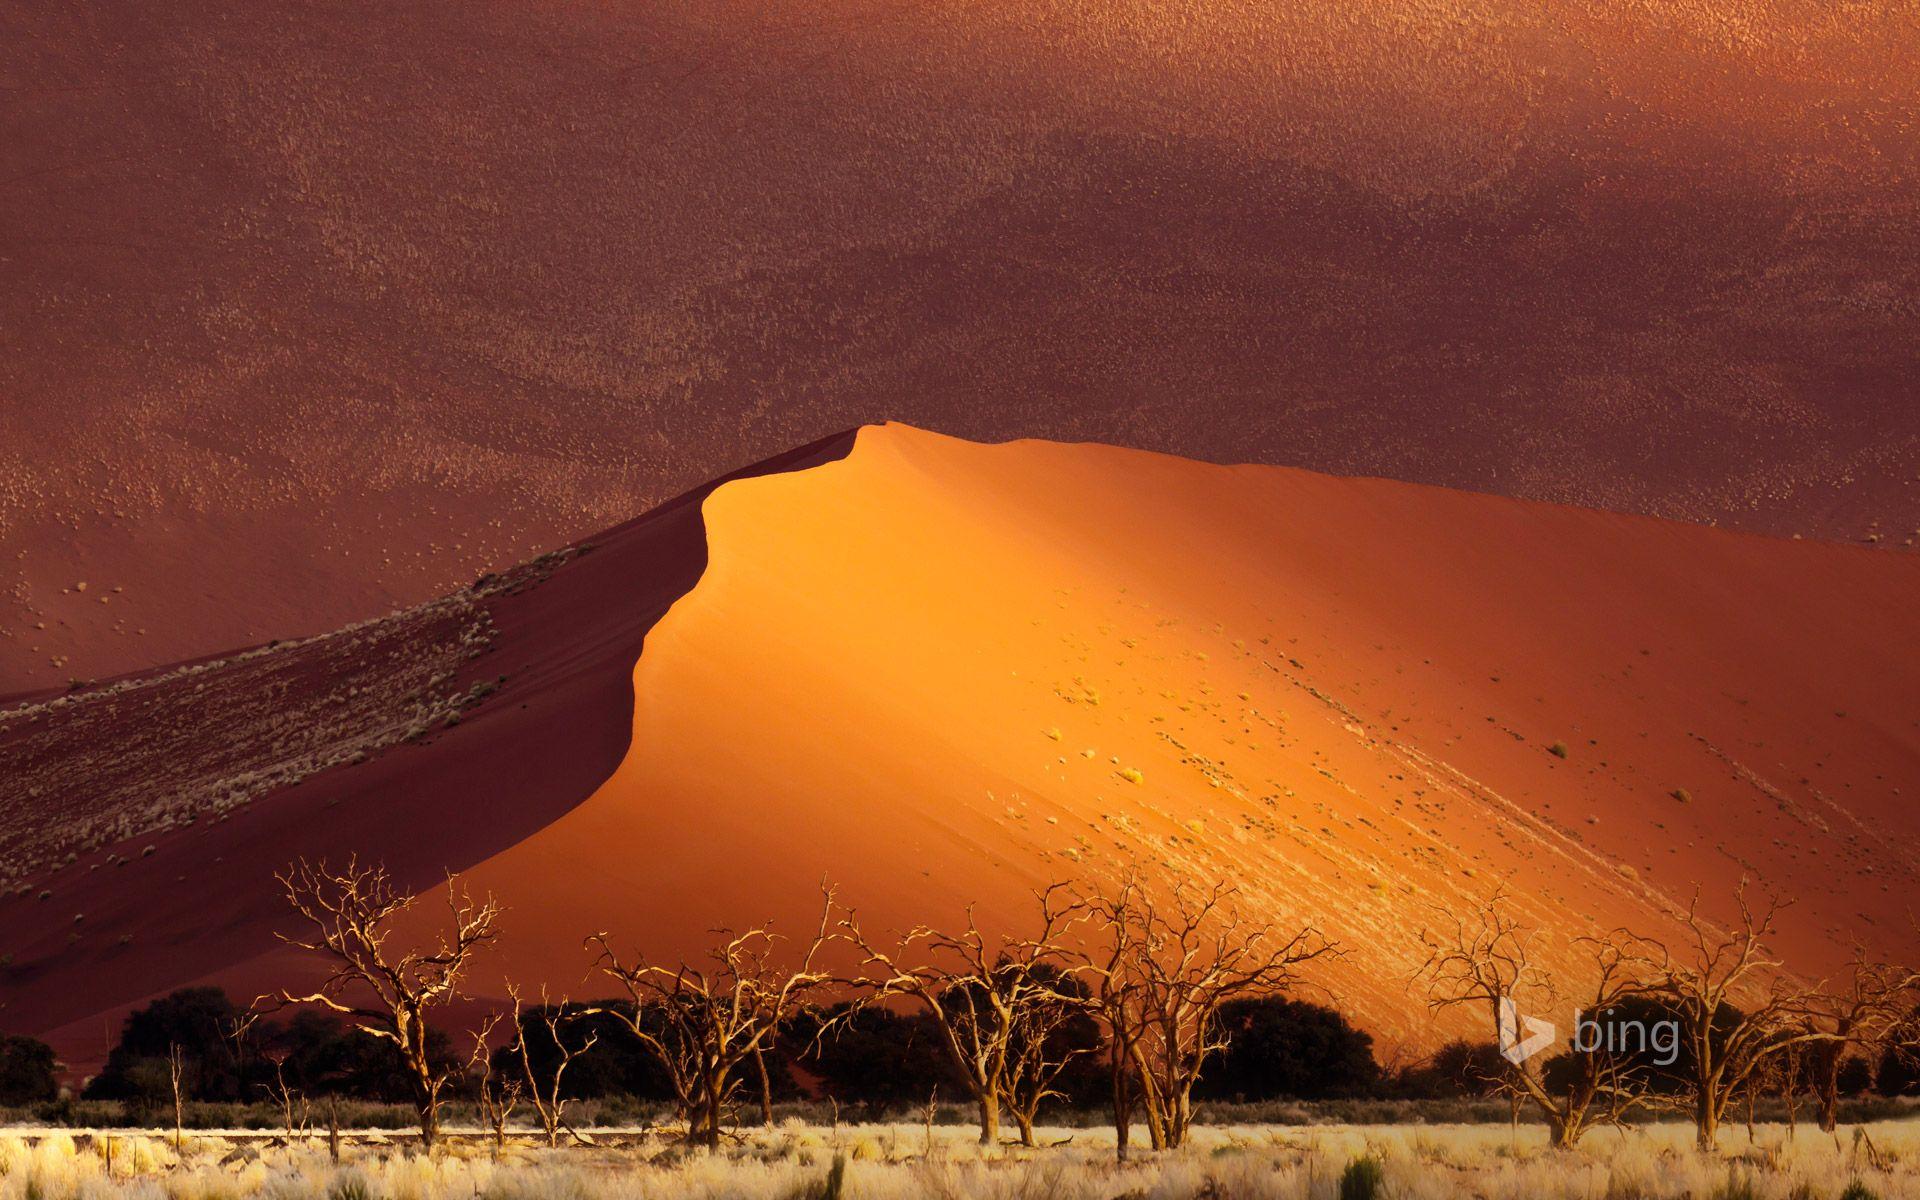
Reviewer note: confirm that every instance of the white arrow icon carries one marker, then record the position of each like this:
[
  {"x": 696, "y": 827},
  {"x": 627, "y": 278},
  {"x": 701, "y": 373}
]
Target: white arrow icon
[{"x": 1512, "y": 1047}]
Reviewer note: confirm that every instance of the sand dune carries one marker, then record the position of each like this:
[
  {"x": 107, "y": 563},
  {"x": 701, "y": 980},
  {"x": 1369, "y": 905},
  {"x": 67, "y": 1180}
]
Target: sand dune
[
  {"x": 427, "y": 740},
  {"x": 930, "y": 668},
  {"x": 942, "y": 672},
  {"x": 312, "y": 311}
]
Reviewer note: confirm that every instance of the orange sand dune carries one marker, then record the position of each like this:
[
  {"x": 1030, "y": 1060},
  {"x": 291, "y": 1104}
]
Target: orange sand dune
[
  {"x": 924, "y": 669},
  {"x": 931, "y": 669}
]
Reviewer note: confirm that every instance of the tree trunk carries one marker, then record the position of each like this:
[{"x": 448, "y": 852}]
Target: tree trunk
[
  {"x": 1023, "y": 1121},
  {"x": 766, "y": 1088},
  {"x": 1179, "y": 1117},
  {"x": 426, "y": 1097},
  {"x": 710, "y": 1121},
  {"x": 1122, "y": 1111},
  {"x": 1827, "y": 1085},
  {"x": 1706, "y": 1123},
  {"x": 175, "y": 1067},
  {"x": 1151, "y": 1101},
  {"x": 989, "y": 1104},
  {"x": 1563, "y": 1132},
  {"x": 429, "y": 1121}
]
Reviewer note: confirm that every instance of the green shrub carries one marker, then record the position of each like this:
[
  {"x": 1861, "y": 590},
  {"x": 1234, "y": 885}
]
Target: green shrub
[
  {"x": 1364, "y": 1179},
  {"x": 1558, "y": 749},
  {"x": 29, "y": 1072},
  {"x": 1859, "y": 1191}
]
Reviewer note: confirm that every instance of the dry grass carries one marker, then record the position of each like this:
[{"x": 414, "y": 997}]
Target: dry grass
[{"x": 897, "y": 1162}]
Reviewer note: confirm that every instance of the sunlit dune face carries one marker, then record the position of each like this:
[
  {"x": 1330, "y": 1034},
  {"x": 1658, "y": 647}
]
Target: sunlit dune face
[{"x": 938, "y": 673}]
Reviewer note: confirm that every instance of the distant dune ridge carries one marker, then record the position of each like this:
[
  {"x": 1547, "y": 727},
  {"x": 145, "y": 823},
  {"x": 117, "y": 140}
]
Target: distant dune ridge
[
  {"x": 941, "y": 673},
  {"x": 311, "y": 311}
]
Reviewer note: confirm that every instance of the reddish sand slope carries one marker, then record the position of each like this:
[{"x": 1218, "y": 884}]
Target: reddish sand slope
[
  {"x": 427, "y": 739},
  {"x": 308, "y": 311},
  {"x": 929, "y": 669}
]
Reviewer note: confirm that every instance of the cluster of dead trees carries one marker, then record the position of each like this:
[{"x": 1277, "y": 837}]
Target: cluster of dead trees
[
  {"x": 1149, "y": 969},
  {"x": 1706, "y": 1021}
]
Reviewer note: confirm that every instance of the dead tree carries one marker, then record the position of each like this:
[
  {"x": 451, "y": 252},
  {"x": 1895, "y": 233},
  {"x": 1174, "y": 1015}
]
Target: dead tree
[
  {"x": 1792, "y": 1073},
  {"x": 176, "y": 1072},
  {"x": 1703, "y": 981},
  {"x": 1164, "y": 967},
  {"x": 1102, "y": 984},
  {"x": 1043, "y": 1046},
  {"x": 386, "y": 988},
  {"x": 544, "y": 1081},
  {"x": 980, "y": 991},
  {"x": 285, "y": 1096},
  {"x": 1485, "y": 959},
  {"x": 702, "y": 1023},
  {"x": 496, "y": 1096},
  {"x": 1863, "y": 1015},
  {"x": 1191, "y": 953}
]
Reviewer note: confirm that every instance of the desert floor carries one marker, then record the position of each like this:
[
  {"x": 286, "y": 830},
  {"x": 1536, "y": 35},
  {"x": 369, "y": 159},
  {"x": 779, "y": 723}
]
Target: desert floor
[{"x": 883, "y": 1162}]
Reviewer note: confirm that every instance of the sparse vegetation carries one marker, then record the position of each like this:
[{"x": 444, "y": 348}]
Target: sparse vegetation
[
  {"x": 207, "y": 745},
  {"x": 905, "y": 1162},
  {"x": 28, "y": 1071},
  {"x": 1154, "y": 996}
]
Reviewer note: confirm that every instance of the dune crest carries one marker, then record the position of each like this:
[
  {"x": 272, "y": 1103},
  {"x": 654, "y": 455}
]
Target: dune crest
[
  {"x": 943, "y": 673},
  {"x": 946, "y": 673}
]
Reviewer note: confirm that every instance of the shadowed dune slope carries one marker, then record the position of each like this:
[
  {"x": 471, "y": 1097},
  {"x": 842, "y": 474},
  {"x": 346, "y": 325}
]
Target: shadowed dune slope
[
  {"x": 312, "y": 310},
  {"x": 945, "y": 673},
  {"x": 425, "y": 740}
]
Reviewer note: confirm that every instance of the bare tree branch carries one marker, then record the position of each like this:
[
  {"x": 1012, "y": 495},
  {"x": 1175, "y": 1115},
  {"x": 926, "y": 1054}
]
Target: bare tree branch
[
  {"x": 385, "y": 988},
  {"x": 701, "y": 1022}
]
